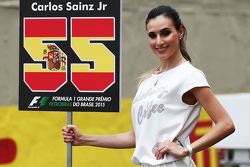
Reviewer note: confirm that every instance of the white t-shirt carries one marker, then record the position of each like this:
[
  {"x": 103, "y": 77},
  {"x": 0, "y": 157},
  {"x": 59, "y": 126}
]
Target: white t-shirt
[{"x": 158, "y": 112}]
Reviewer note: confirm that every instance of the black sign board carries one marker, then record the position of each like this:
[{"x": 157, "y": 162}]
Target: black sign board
[{"x": 70, "y": 55}]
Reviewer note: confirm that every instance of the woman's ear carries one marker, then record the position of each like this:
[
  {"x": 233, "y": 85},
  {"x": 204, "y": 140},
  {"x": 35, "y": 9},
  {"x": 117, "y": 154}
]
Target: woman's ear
[{"x": 181, "y": 31}]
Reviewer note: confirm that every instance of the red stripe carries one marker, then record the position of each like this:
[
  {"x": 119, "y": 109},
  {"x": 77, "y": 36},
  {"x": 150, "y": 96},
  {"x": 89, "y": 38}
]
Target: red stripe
[
  {"x": 93, "y": 27},
  {"x": 200, "y": 124},
  {"x": 92, "y": 81},
  {"x": 207, "y": 158},
  {"x": 46, "y": 81},
  {"x": 8, "y": 150},
  {"x": 207, "y": 123},
  {"x": 193, "y": 137},
  {"x": 55, "y": 27}
]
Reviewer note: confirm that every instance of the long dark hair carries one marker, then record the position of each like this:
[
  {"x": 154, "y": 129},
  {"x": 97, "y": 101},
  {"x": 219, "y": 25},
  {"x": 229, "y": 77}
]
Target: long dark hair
[{"x": 171, "y": 13}]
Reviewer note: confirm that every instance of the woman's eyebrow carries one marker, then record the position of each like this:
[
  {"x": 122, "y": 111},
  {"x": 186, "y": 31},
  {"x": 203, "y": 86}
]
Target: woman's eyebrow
[{"x": 164, "y": 29}]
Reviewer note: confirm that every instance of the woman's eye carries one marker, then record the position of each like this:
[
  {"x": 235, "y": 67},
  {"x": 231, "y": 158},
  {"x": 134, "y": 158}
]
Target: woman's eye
[
  {"x": 152, "y": 35},
  {"x": 165, "y": 32}
]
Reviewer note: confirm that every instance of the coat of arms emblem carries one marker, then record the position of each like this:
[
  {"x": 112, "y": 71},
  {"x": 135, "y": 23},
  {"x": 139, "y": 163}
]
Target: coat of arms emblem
[{"x": 56, "y": 59}]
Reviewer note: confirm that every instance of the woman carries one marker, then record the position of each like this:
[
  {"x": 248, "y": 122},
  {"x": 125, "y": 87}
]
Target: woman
[{"x": 167, "y": 104}]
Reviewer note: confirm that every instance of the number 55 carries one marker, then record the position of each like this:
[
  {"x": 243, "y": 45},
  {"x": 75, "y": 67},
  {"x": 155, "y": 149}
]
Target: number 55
[{"x": 83, "y": 32}]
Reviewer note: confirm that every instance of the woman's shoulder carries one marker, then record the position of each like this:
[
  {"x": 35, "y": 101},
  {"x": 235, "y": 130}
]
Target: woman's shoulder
[{"x": 191, "y": 69}]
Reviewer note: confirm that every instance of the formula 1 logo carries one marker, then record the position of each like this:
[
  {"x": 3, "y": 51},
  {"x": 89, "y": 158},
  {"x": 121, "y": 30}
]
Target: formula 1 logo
[{"x": 38, "y": 101}]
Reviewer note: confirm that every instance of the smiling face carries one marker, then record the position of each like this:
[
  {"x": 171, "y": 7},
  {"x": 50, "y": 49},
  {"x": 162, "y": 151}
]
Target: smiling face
[{"x": 163, "y": 37}]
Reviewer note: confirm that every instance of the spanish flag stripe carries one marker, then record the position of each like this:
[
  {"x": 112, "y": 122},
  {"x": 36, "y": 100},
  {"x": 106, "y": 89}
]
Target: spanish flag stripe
[
  {"x": 200, "y": 159},
  {"x": 93, "y": 27},
  {"x": 213, "y": 157},
  {"x": 92, "y": 81},
  {"x": 207, "y": 123},
  {"x": 45, "y": 80},
  {"x": 55, "y": 27},
  {"x": 206, "y": 158}
]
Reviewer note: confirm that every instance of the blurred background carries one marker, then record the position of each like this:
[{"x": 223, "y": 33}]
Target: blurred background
[{"x": 218, "y": 42}]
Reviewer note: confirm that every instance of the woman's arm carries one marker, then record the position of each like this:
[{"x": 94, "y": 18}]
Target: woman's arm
[
  {"x": 71, "y": 134},
  {"x": 223, "y": 125}
]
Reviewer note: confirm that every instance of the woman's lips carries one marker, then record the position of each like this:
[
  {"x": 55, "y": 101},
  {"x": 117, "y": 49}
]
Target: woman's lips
[{"x": 161, "y": 50}]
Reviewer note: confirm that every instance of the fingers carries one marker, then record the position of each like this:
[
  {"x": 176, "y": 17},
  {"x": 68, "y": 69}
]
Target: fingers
[
  {"x": 159, "y": 155},
  {"x": 68, "y": 137},
  {"x": 162, "y": 150},
  {"x": 68, "y": 133},
  {"x": 169, "y": 147},
  {"x": 68, "y": 128}
]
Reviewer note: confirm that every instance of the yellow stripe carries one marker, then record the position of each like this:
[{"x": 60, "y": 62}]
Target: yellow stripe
[
  {"x": 204, "y": 116},
  {"x": 213, "y": 157},
  {"x": 35, "y": 47},
  {"x": 103, "y": 58},
  {"x": 200, "y": 131},
  {"x": 200, "y": 159}
]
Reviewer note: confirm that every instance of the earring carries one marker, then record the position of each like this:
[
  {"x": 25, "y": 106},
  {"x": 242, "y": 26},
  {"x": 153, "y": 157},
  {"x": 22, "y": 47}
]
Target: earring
[{"x": 181, "y": 36}]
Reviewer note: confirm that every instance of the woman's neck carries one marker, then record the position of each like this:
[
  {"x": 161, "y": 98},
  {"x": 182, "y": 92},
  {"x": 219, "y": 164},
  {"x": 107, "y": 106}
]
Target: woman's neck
[{"x": 170, "y": 63}]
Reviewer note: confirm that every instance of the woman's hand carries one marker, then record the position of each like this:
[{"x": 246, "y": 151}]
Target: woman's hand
[
  {"x": 71, "y": 134},
  {"x": 172, "y": 148}
]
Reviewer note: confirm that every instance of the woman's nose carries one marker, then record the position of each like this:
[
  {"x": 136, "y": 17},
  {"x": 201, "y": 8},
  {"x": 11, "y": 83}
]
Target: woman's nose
[{"x": 159, "y": 40}]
